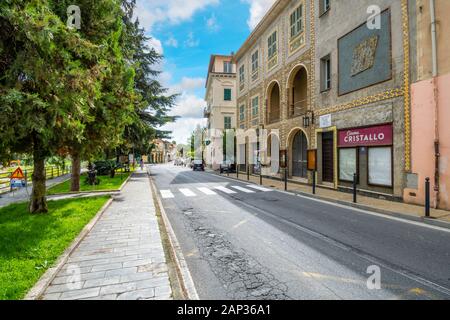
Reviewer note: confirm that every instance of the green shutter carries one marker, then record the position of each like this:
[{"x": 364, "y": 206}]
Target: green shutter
[{"x": 227, "y": 95}]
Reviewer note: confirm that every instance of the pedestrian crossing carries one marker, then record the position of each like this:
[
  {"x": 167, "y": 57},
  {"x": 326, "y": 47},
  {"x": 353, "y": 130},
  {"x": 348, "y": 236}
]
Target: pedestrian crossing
[{"x": 211, "y": 191}]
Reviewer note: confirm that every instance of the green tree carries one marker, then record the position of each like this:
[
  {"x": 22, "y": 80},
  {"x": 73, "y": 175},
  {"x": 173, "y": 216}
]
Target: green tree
[
  {"x": 112, "y": 103},
  {"x": 44, "y": 89},
  {"x": 152, "y": 110}
]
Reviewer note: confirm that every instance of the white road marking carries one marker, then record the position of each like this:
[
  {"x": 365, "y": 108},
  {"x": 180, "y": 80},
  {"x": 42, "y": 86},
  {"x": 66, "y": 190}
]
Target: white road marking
[
  {"x": 259, "y": 188},
  {"x": 187, "y": 192},
  {"x": 226, "y": 190},
  {"x": 207, "y": 191},
  {"x": 243, "y": 189},
  {"x": 348, "y": 207},
  {"x": 167, "y": 194}
]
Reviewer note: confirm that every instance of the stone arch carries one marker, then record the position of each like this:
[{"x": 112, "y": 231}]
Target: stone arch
[
  {"x": 273, "y": 94},
  {"x": 297, "y": 143},
  {"x": 297, "y": 91}
]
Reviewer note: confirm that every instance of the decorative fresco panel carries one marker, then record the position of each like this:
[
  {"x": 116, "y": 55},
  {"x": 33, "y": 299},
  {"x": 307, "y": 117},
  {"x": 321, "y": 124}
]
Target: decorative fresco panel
[{"x": 365, "y": 56}]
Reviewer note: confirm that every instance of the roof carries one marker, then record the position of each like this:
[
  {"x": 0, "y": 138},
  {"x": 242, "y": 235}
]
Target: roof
[{"x": 211, "y": 63}]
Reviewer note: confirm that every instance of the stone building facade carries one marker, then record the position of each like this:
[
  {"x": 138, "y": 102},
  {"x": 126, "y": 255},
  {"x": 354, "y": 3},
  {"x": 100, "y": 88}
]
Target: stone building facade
[
  {"x": 220, "y": 111},
  {"x": 430, "y": 101},
  {"x": 336, "y": 81}
]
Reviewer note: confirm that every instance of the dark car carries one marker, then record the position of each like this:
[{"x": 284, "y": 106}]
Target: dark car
[
  {"x": 198, "y": 165},
  {"x": 227, "y": 166}
]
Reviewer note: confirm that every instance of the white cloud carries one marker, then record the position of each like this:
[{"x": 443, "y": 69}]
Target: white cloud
[
  {"x": 151, "y": 12},
  {"x": 258, "y": 8},
  {"x": 211, "y": 23},
  {"x": 191, "y": 41},
  {"x": 156, "y": 44},
  {"x": 182, "y": 129},
  {"x": 189, "y": 106},
  {"x": 171, "y": 42}
]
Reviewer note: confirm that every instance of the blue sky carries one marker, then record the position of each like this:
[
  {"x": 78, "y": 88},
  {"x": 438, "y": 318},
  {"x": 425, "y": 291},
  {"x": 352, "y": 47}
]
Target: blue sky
[{"x": 187, "y": 32}]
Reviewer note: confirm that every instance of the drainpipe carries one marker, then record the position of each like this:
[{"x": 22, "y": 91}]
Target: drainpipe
[{"x": 436, "y": 103}]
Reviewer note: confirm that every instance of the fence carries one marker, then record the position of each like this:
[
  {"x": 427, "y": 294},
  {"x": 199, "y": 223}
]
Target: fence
[{"x": 50, "y": 173}]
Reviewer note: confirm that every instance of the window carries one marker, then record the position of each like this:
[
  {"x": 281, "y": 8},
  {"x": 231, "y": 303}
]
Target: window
[
  {"x": 347, "y": 163},
  {"x": 255, "y": 102},
  {"x": 242, "y": 113},
  {"x": 227, "y": 94},
  {"x": 297, "y": 21},
  {"x": 242, "y": 74},
  {"x": 255, "y": 62},
  {"x": 380, "y": 166},
  {"x": 227, "y": 67},
  {"x": 324, "y": 6},
  {"x": 272, "y": 45},
  {"x": 227, "y": 123},
  {"x": 325, "y": 66}
]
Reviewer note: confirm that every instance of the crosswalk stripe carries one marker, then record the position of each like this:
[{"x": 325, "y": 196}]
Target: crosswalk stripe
[
  {"x": 258, "y": 188},
  {"x": 243, "y": 189},
  {"x": 187, "y": 192},
  {"x": 207, "y": 191},
  {"x": 226, "y": 190},
  {"x": 167, "y": 194}
]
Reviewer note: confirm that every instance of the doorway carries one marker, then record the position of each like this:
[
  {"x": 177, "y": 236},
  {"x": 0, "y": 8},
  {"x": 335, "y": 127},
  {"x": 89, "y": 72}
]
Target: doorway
[
  {"x": 327, "y": 157},
  {"x": 299, "y": 155}
]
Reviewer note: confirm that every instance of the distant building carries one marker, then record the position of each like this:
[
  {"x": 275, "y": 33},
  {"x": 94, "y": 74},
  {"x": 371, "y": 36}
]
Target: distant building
[
  {"x": 220, "y": 98},
  {"x": 163, "y": 152}
]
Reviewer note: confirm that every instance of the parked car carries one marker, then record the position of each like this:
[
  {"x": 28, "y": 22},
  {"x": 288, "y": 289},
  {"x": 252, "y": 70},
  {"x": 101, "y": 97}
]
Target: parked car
[
  {"x": 198, "y": 165},
  {"x": 227, "y": 166}
]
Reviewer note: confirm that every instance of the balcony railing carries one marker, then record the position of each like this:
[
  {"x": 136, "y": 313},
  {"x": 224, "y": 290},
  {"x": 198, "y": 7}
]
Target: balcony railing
[{"x": 298, "y": 108}]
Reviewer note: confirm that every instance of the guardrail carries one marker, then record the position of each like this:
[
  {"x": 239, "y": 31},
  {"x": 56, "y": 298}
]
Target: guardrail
[{"x": 50, "y": 173}]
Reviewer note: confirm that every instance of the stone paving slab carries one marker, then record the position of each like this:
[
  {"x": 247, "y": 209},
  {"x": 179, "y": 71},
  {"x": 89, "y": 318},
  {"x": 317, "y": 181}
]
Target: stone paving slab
[{"x": 122, "y": 258}]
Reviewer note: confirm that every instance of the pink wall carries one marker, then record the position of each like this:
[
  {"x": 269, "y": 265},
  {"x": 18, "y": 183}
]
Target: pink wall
[{"x": 422, "y": 123}]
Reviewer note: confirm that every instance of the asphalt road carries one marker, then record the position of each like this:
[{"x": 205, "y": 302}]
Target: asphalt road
[{"x": 243, "y": 243}]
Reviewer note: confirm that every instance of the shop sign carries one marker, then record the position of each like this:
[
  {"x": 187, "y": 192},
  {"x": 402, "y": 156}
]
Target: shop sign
[
  {"x": 368, "y": 136},
  {"x": 325, "y": 121}
]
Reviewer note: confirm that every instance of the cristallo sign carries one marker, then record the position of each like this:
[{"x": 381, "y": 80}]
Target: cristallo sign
[{"x": 368, "y": 136}]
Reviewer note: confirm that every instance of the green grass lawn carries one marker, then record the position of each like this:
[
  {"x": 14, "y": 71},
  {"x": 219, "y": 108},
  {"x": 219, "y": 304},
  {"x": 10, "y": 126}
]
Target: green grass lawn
[
  {"x": 30, "y": 244},
  {"x": 106, "y": 183}
]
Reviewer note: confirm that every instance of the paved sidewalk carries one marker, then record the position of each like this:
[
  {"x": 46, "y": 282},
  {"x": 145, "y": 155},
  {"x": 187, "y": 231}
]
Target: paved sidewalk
[
  {"x": 22, "y": 195},
  {"x": 122, "y": 257},
  {"x": 333, "y": 195}
]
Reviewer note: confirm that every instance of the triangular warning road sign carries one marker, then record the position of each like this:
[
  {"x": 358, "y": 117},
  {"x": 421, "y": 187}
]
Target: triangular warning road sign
[{"x": 17, "y": 174}]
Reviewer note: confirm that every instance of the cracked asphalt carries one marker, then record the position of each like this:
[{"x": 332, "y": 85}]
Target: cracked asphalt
[{"x": 273, "y": 245}]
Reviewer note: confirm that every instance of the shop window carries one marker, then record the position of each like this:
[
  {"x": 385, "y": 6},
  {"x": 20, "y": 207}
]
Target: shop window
[
  {"x": 348, "y": 163},
  {"x": 380, "y": 166}
]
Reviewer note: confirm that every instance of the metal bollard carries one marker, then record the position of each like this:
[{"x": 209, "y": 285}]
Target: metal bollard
[
  {"x": 248, "y": 172},
  {"x": 260, "y": 175},
  {"x": 355, "y": 177},
  {"x": 285, "y": 178},
  {"x": 427, "y": 197},
  {"x": 314, "y": 183}
]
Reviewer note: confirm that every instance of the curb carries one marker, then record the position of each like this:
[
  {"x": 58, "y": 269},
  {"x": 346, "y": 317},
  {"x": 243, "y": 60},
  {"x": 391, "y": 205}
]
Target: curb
[
  {"x": 94, "y": 191},
  {"x": 430, "y": 221},
  {"x": 183, "y": 273},
  {"x": 39, "y": 288}
]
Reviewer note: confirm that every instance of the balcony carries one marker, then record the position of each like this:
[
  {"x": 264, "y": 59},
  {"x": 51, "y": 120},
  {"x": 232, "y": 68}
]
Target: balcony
[{"x": 298, "y": 108}]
